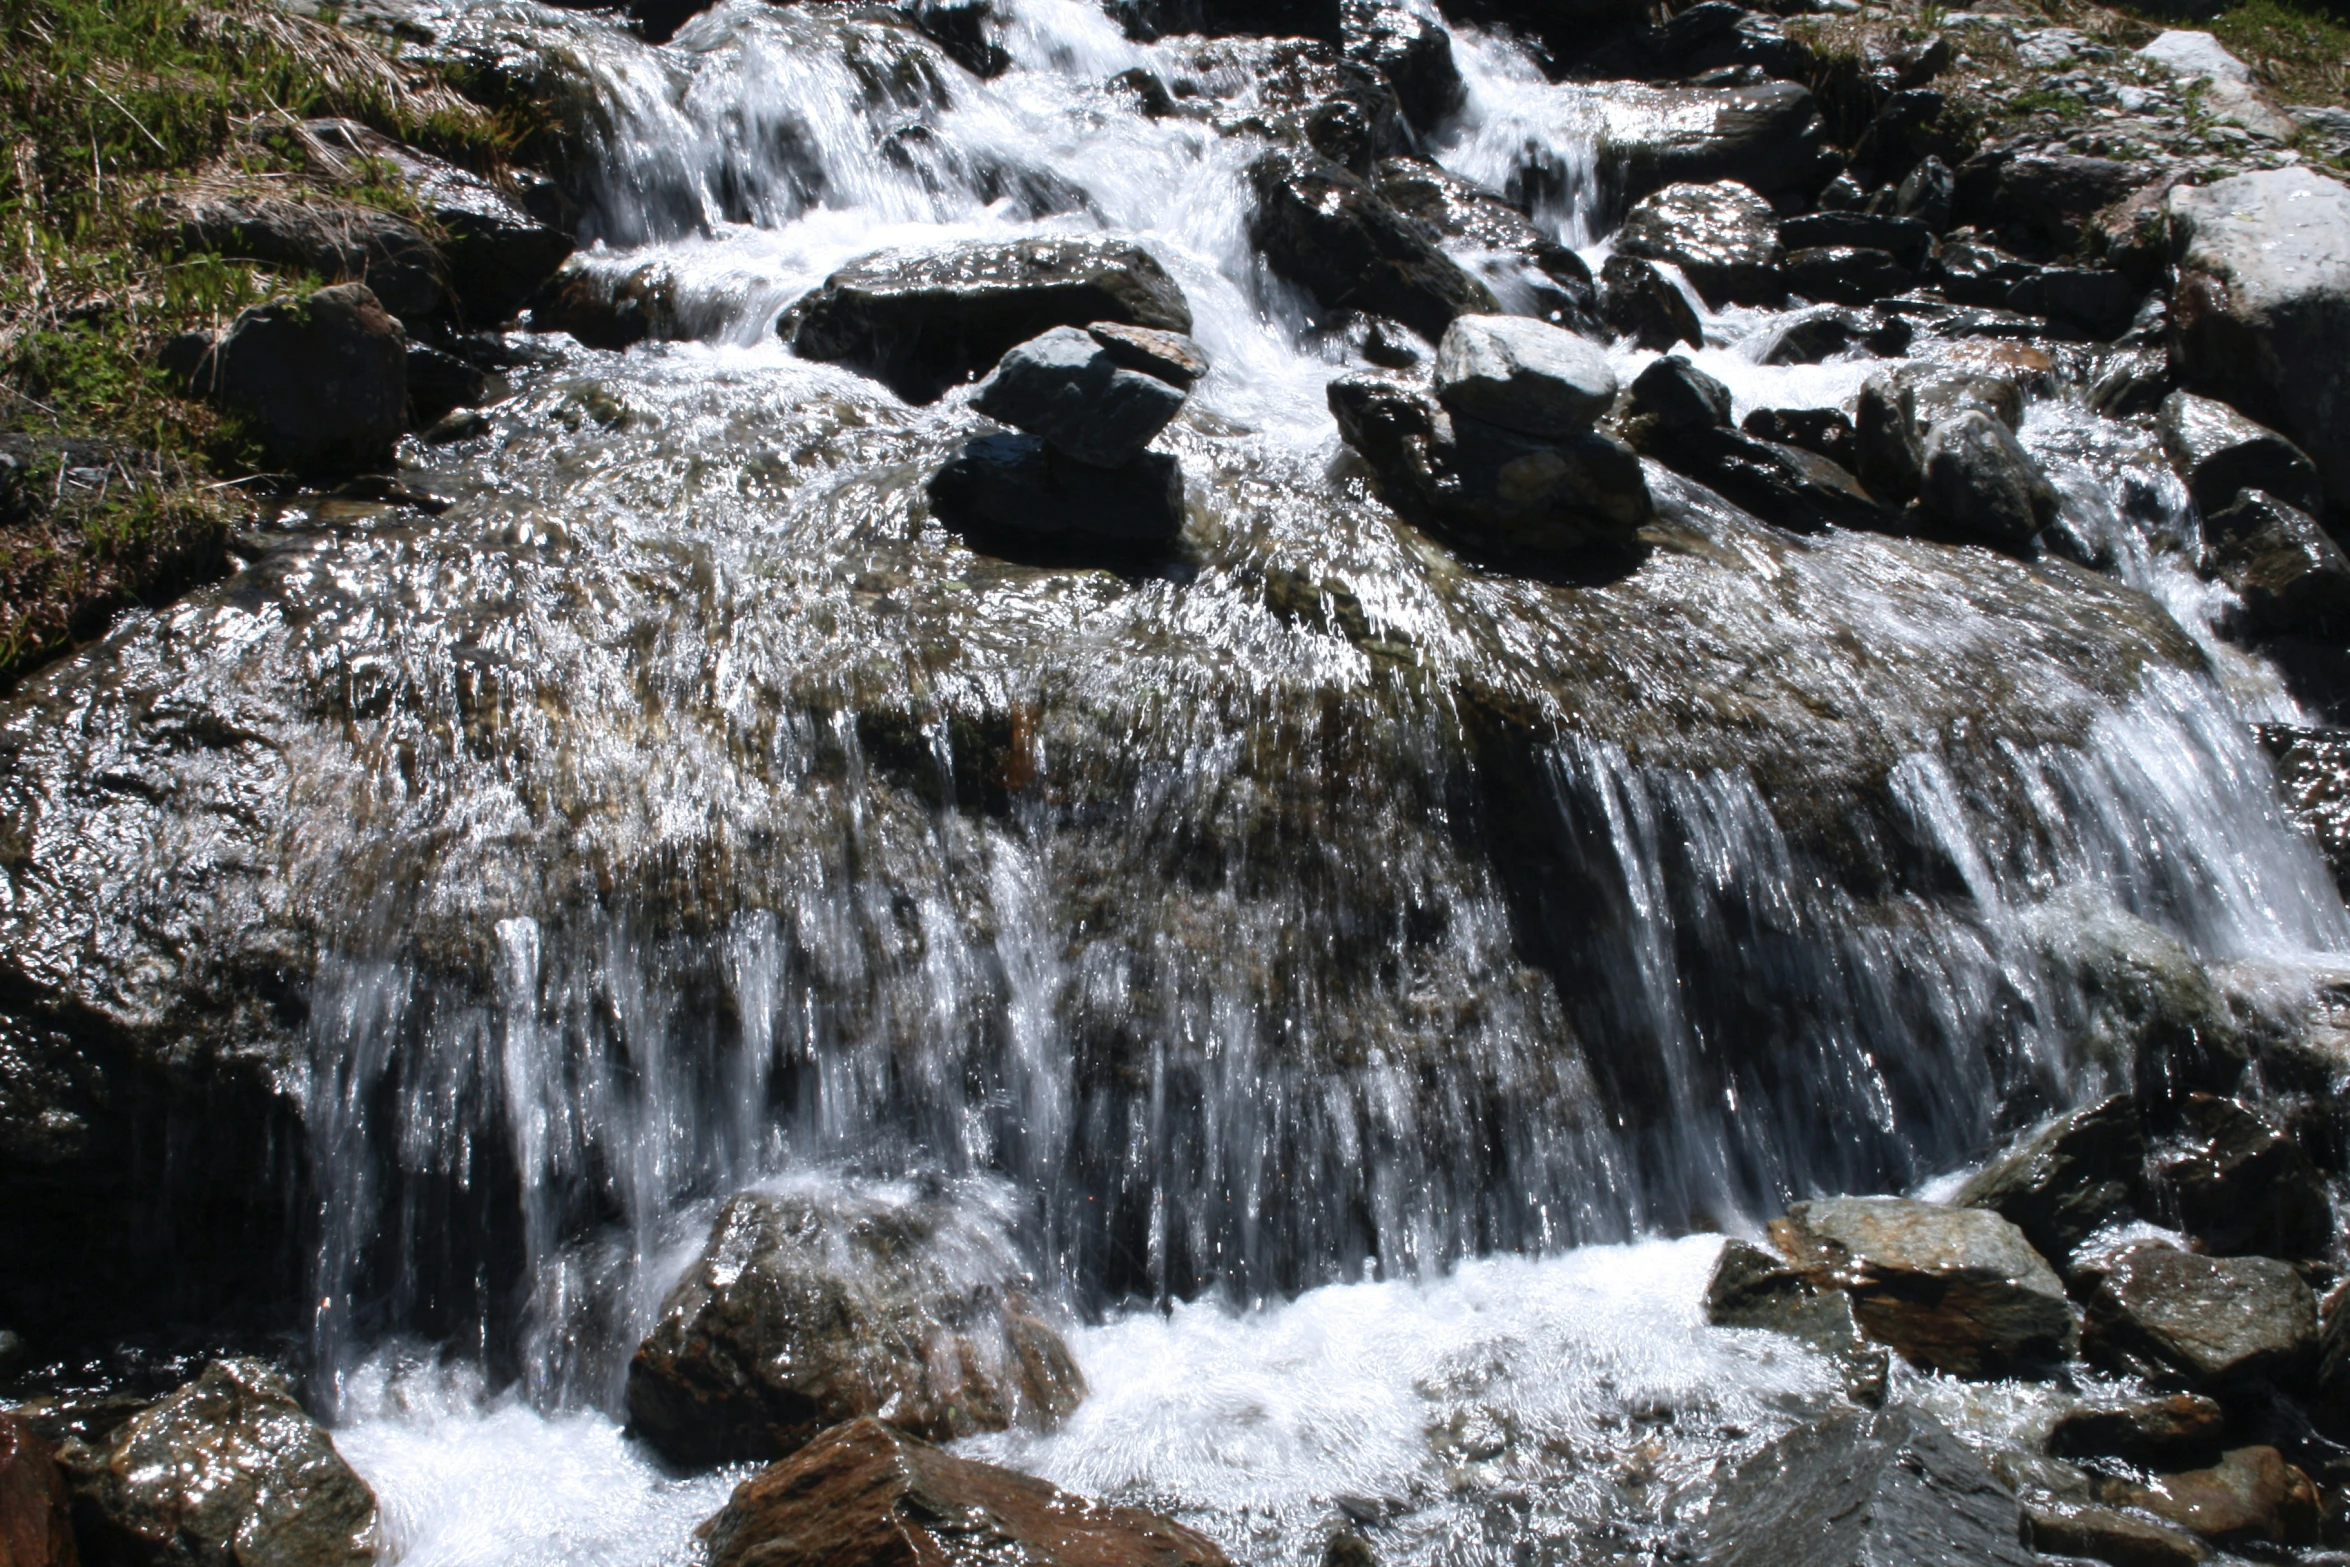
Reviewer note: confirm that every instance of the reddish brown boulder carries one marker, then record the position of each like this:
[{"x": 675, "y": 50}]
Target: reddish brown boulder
[
  {"x": 34, "y": 1529},
  {"x": 2251, "y": 1494},
  {"x": 865, "y": 1495}
]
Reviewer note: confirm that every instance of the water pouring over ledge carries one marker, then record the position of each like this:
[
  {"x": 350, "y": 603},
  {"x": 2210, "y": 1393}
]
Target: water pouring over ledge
[{"x": 1340, "y": 946}]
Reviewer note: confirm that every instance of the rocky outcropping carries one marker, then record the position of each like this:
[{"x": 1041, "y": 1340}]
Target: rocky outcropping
[
  {"x": 921, "y": 323},
  {"x": 807, "y": 1309},
  {"x": 226, "y": 1472},
  {"x": 869, "y": 1495}
]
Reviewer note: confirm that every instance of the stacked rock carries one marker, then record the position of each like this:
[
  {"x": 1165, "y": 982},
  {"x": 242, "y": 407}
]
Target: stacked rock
[
  {"x": 1089, "y": 402},
  {"x": 1503, "y": 456}
]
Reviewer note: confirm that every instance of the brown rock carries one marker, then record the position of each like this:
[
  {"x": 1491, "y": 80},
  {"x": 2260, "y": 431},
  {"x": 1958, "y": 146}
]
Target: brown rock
[
  {"x": 2107, "y": 1534},
  {"x": 2202, "y": 1322},
  {"x": 34, "y": 1528},
  {"x": 2250, "y": 1494},
  {"x": 2178, "y": 1428},
  {"x": 1955, "y": 1289},
  {"x": 864, "y": 1495}
]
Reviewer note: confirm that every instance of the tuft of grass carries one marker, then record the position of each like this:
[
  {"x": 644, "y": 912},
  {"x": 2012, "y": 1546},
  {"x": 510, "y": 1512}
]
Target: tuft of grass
[
  {"x": 103, "y": 105},
  {"x": 2299, "y": 50}
]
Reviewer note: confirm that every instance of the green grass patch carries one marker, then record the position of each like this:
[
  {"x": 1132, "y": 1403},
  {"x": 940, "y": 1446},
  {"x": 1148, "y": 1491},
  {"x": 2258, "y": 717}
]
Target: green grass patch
[{"x": 2299, "y": 51}]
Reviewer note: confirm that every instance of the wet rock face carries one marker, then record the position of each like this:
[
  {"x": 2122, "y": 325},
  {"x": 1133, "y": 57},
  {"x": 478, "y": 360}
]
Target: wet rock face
[
  {"x": 1325, "y": 229},
  {"x": 2067, "y": 1177},
  {"x": 1531, "y": 272},
  {"x": 2242, "y": 1186},
  {"x": 2219, "y": 453},
  {"x": 1016, "y": 488},
  {"x": 1754, "y": 1288},
  {"x": 1410, "y": 53},
  {"x": 1956, "y": 1289},
  {"x": 2252, "y": 1495},
  {"x": 1890, "y": 1488},
  {"x": 1978, "y": 483},
  {"x": 1523, "y": 375},
  {"x": 2260, "y": 311},
  {"x": 2176, "y": 1431},
  {"x": 864, "y": 1493},
  {"x": 1067, "y": 390},
  {"x": 1722, "y": 236},
  {"x": 2202, "y": 1323},
  {"x": 1641, "y": 303},
  {"x": 324, "y": 379},
  {"x": 226, "y": 1472},
  {"x": 922, "y": 323},
  {"x": 36, "y": 1529},
  {"x": 806, "y": 1310},
  {"x": 2047, "y": 197},
  {"x": 1767, "y": 137},
  {"x": 2090, "y": 1532},
  {"x": 2292, "y": 577}
]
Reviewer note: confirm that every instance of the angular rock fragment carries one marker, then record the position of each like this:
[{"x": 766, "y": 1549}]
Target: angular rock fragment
[
  {"x": 1978, "y": 483},
  {"x": 866, "y": 1495},
  {"x": 2171, "y": 1431},
  {"x": 342, "y": 242},
  {"x": 1171, "y": 356},
  {"x": 2291, "y": 576},
  {"x": 1890, "y": 448},
  {"x": 2048, "y": 196},
  {"x": 1722, "y": 236},
  {"x": 2206, "y": 1324},
  {"x": 1067, "y": 390},
  {"x": 921, "y": 323},
  {"x": 324, "y": 379},
  {"x": 1824, "y": 432},
  {"x": 1641, "y": 303},
  {"x": 1785, "y": 485},
  {"x": 2251, "y": 1495},
  {"x": 1906, "y": 241},
  {"x": 2241, "y": 1185},
  {"x": 2219, "y": 453},
  {"x": 1412, "y": 54},
  {"x": 1523, "y": 375},
  {"x": 1679, "y": 396},
  {"x": 1754, "y": 1288},
  {"x": 1956, "y": 1289},
  {"x": 2109, "y": 1534},
  {"x": 2067, "y": 1177},
  {"x": 1325, "y": 229},
  {"x": 810, "y": 1308},
  {"x": 1810, "y": 336},
  {"x": 1844, "y": 274},
  {"x": 36, "y": 1526},
  {"x": 1889, "y": 1488},
  {"x": 2094, "y": 301},
  {"x": 226, "y": 1472},
  {"x": 1529, "y": 271}
]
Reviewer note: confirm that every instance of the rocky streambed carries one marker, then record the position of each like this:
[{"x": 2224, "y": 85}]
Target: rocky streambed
[{"x": 1096, "y": 782}]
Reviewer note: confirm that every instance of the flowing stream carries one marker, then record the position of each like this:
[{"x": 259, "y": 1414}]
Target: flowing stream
[{"x": 1371, "y": 982}]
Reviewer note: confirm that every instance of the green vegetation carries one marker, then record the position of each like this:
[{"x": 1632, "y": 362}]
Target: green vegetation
[
  {"x": 114, "y": 488},
  {"x": 2299, "y": 51}
]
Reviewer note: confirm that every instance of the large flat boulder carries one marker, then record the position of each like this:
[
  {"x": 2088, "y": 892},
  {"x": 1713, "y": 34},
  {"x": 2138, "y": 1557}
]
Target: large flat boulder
[
  {"x": 226, "y": 1472},
  {"x": 1956, "y": 1289},
  {"x": 2260, "y": 310},
  {"x": 808, "y": 1308},
  {"x": 922, "y": 322},
  {"x": 1890, "y": 1488},
  {"x": 1767, "y": 136},
  {"x": 2202, "y": 1323},
  {"x": 867, "y": 1495},
  {"x": 1523, "y": 375},
  {"x": 1325, "y": 229}
]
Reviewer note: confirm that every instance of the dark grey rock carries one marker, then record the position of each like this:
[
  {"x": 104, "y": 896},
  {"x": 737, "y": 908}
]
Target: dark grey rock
[
  {"x": 1067, "y": 391},
  {"x": 1973, "y": 272},
  {"x": 2050, "y": 196},
  {"x": 1956, "y": 1289},
  {"x": 2091, "y": 1532},
  {"x": 2206, "y": 1324},
  {"x": 1722, "y": 236},
  {"x": 2220, "y": 452},
  {"x": 1809, "y": 336},
  {"x": 1824, "y": 432},
  {"x": 324, "y": 379},
  {"x": 226, "y": 1472},
  {"x": 1358, "y": 122},
  {"x": 1641, "y": 303},
  {"x": 1411, "y": 53},
  {"x": 342, "y": 242},
  {"x": 1325, "y": 229},
  {"x": 1844, "y": 274},
  {"x": 1906, "y": 240},
  {"x": 2095, "y": 301},
  {"x": 2067, "y": 1177},
  {"x": 1679, "y": 395},
  {"x": 1927, "y": 194},
  {"x": 811, "y": 1308},
  {"x": 922, "y": 322},
  {"x": 1171, "y": 356},
  {"x": 439, "y": 382},
  {"x": 1531, "y": 273},
  {"x": 1785, "y": 485},
  {"x": 609, "y": 309},
  {"x": 1013, "y": 485},
  {"x": 1886, "y": 440},
  {"x": 1523, "y": 375},
  {"x": 2241, "y": 1185},
  {"x": 1755, "y": 1288},
  {"x": 2292, "y": 577},
  {"x": 1767, "y": 136},
  {"x": 1888, "y": 1488},
  {"x": 1978, "y": 483}
]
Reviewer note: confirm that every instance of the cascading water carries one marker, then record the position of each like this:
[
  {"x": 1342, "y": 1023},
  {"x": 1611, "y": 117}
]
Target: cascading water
[{"x": 1318, "y": 917}]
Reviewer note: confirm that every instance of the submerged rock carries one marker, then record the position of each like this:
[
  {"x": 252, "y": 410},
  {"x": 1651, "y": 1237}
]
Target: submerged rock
[
  {"x": 36, "y": 1527},
  {"x": 1958, "y": 1290},
  {"x": 2260, "y": 311},
  {"x": 920, "y": 323},
  {"x": 1978, "y": 483},
  {"x": 1325, "y": 229},
  {"x": 2207, "y": 1324},
  {"x": 1071, "y": 393},
  {"x": 1525, "y": 376},
  {"x": 324, "y": 379},
  {"x": 807, "y": 1309},
  {"x": 2219, "y": 452},
  {"x": 2067, "y": 1177},
  {"x": 1016, "y": 486},
  {"x": 865, "y": 1495},
  {"x": 1889, "y": 1488},
  {"x": 226, "y": 1472},
  {"x": 1722, "y": 236}
]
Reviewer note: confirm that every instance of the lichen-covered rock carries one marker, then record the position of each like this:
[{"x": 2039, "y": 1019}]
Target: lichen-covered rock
[
  {"x": 1890, "y": 1488},
  {"x": 226, "y": 1472},
  {"x": 808, "y": 1308},
  {"x": 1956, "y": 1289},
  {"x": 1722, "y": 236},
  {"x": 922, "y": 322},
  {"x": 2067, "y": 1177},
  {"x": 2203, "y": 1323},
  {"x": 866, "y": 1495}
]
